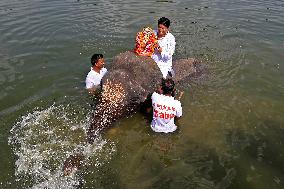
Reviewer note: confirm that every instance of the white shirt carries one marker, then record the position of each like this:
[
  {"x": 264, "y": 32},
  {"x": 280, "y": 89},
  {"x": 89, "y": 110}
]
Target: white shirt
[
  {"x": 94, "y": 78},
  {"x": 164, "y": 59},
  {"x": 165, "y": 108}
]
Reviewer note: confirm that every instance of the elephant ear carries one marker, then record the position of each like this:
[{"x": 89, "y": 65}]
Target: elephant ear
[
  {"x": 184, "y": 68},
  {"x": 187, "y": 71}
]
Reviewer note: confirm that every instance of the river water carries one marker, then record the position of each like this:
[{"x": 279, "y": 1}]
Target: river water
[{"x": 232, "y": 131}]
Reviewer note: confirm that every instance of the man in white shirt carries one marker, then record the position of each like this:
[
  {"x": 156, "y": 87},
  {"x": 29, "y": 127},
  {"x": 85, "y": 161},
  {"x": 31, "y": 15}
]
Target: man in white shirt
[
  {"x": 94, "y": 77},
  {"x": 165, "y": 108},
  {"x": 163, "y": 54}
]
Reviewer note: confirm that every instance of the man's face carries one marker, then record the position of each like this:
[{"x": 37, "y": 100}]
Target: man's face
[
  {"x": 100, "y": 63},
  {"x": 162, "y": 30}
]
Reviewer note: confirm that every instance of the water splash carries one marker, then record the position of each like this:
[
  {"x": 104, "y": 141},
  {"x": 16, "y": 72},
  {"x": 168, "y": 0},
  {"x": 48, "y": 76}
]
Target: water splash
[{"x": 43, "y": 139}]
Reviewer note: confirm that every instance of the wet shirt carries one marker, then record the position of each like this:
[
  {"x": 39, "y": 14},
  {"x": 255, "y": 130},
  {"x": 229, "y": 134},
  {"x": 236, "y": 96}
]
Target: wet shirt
[
  {"x": 164, "y": 59},
  {"x": 165, "y": 108},
  {"x": 94, "y": 78}
]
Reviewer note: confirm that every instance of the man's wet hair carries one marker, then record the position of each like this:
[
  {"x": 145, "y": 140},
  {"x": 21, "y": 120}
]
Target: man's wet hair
[
  {"x": 165, "y": 21},
  {"x": 168, "y": 86},
  {"x": 95, "y": 58}
]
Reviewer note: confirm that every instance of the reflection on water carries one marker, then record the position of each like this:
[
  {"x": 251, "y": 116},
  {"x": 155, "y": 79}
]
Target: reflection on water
[
  {"x": 259, "y": 154},
  {"x": 232, "y": 129}
]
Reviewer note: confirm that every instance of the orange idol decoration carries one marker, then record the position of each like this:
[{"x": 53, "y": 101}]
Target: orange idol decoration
[{"x": 146, "y": 42}]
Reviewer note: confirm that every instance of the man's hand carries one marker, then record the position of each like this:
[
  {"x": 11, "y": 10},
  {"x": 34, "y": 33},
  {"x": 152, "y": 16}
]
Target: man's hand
[
  {"x": 180, "y": 95},
  {"x": 160, "y": 49}
]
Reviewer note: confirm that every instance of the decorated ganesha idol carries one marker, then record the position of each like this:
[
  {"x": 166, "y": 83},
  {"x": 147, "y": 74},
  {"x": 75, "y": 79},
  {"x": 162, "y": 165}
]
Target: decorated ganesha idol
[{"x": 146, "y": 42}]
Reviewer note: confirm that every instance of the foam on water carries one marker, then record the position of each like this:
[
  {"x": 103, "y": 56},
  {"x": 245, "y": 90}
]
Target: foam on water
[{"x": 43, "y": 139}]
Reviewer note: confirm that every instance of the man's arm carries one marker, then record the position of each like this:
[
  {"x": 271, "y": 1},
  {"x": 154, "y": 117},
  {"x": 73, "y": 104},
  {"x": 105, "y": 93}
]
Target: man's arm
[
  {"x": 179, "y": 110},
  {"x": 92, "y": 90}
]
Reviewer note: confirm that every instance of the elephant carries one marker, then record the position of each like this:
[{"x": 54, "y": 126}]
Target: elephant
[
  {"x": 125, "y": 88},
  {"x": 127, "y": 84}
]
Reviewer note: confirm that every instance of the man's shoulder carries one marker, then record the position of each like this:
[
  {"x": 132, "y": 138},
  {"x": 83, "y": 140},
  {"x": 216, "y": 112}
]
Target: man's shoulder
[
  {"x": 170, "y": 36},
  {"x": 177, "y": 102},
  {"x": 155, "y": 94},
  {"x": 90, "y": 73},
  {"x": 104, "y": 69}
]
